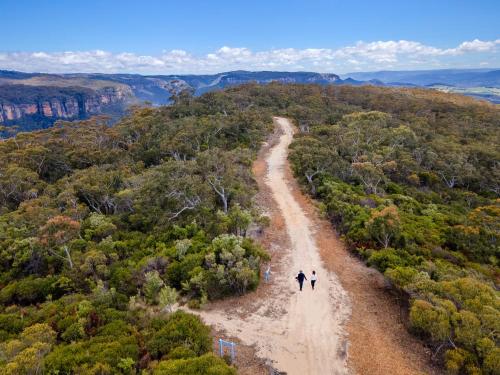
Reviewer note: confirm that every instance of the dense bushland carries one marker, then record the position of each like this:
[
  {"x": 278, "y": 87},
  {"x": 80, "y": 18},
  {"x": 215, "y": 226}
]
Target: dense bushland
[{"x": 103, "y": 230}]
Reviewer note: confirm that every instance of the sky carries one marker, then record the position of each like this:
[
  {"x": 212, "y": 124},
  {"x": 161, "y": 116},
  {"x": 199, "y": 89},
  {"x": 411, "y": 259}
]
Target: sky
[{"x": 173, "y": 37}]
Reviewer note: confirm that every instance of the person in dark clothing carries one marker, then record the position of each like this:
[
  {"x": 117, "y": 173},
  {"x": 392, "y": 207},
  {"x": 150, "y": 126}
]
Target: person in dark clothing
[{"x": 300, "y": 278}]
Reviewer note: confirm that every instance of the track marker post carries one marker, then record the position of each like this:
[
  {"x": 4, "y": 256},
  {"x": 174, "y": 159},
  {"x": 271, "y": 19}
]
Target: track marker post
[{"x": 227, "y": 344}]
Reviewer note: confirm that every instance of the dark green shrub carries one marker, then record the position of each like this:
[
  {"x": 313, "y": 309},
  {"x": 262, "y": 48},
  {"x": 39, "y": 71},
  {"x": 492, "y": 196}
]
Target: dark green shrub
[
  {"x": 74, "y": 332},
  {"x": 393, "y": 188},
  {"x": 181, "y": 329},
  {"x": 389, "y": 258},
  {"x": 106, "y": 350},
  {"x": 11, "y": 323},
  {"x": 28, "y": 290},
  {"x": 179, "y": 272}
]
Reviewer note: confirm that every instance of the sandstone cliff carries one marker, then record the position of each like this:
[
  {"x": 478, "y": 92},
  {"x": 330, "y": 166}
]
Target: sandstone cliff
[{"x": 18, "y": 102}]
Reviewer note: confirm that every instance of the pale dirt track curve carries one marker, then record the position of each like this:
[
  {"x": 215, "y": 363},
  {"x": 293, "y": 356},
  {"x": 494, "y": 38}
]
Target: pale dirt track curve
[{"x": 348, "y": 325}]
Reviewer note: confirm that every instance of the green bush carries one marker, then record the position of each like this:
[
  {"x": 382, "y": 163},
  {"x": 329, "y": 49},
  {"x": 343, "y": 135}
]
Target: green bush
[
  {"x": 181, "y": 352},
  {"x": 232, "y": 266},
  {"x": 178, "y": 272},
  {"x": 491, "y": 362},
  {"x": 11, "y": 323},
  {"x": 74, "y": 332},
  {"x": 467, "y": 328},
  {"x": 432, "y": 321},
  {"x": 28, "y": 290},
  {"x": 392, "y": 258},
  {"x": 456, "y": 360},
  {"x": 106, "y": 350},
  {"x": 401, "y": 276},
  {"x": 207, "y": 364},
  {"x": 180, "y": 330}
]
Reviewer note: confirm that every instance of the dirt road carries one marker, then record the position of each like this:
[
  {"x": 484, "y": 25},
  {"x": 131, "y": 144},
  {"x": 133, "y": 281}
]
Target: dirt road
[
  {"x": 348, "y": 325},
  {"x": 301, "y": 332}
]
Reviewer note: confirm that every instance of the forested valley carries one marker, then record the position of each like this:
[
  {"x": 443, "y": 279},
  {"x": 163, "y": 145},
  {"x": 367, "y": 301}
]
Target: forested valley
[{"x": 104, "y": 229}]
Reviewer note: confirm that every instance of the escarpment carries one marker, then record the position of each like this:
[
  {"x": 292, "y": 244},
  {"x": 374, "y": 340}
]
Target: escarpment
[{"x": 18, "y": 103}]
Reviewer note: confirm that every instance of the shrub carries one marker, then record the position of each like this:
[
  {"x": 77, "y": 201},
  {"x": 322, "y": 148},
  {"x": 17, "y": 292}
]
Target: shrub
[
  {"x": 105, "y": 350},
  {"x": 181, "y": 329},
  {"x": 206, "y": 364},
  {"x": 492, "y": 362},
  {"x": 430, "y": 320},
  {"x": 484, "y": 347},
  {"x": 74, "y": 332},
  {"x": 232, "y": 266},
  {"x": 121, "y": 279},
  {"x": 181, "y": 352},
  {"x": 456, "y": 360},
  {"x": 98, "y": 226},
  {"x": 401, "y": 276},
  {"x": 384, "y": 225},
  {"x": 167, "y": 298},
  {"x": 179, "y": 272},
  {"x": 390, "y": 258},
  {"x": 392, "y": 188},
  {"x": 27, "y": 291},
  {"x": 152, "y": 287},
  {"x": 25, "y": 356},
  {"x": 467, "y": 328},
  {"x": 11, "y": 323}
]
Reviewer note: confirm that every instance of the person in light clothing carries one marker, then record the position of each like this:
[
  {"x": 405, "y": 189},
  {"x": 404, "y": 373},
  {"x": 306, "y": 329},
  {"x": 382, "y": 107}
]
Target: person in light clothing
[{"x": 313, "y": 279}]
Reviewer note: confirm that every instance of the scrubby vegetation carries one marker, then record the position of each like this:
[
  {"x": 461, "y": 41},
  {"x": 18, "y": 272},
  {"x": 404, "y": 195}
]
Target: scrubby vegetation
[
  {"x": 103, "y": 229},
  {"x": 411, "y": 180}
]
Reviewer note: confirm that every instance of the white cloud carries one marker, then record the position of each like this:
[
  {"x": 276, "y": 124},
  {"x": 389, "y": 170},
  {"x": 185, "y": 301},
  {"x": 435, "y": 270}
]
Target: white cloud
[
  {"x": 475, "y": 45},
  {"x": 385, "y": 51},
  {"x": 401, "y": 54}
]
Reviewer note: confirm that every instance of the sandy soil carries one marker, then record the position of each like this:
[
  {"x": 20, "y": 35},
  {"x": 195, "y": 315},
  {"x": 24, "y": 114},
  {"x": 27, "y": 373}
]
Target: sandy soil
[{"x": 349, "y": 324}]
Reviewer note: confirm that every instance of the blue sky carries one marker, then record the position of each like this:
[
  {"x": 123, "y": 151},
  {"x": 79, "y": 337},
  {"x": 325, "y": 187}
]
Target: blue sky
[{"x": 153, "y": 36}]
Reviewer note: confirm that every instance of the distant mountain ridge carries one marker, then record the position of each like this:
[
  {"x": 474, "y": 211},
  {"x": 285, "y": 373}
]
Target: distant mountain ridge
[
  {"x": 449, "y": 77},
  {"x": 159, "y": 88},
  {"x": 479, "y": 83},
  {"x": 36, "y": 100}
]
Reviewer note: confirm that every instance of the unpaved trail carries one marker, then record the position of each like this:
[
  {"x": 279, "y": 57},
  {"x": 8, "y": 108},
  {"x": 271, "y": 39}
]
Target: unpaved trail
[
  {"x": 348, "y": 325},
  {"x": 301, "y": 332}
]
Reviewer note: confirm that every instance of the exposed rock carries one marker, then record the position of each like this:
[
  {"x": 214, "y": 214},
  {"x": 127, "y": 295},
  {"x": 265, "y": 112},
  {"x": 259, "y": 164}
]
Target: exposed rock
[{"x": 76, "y": 103}]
